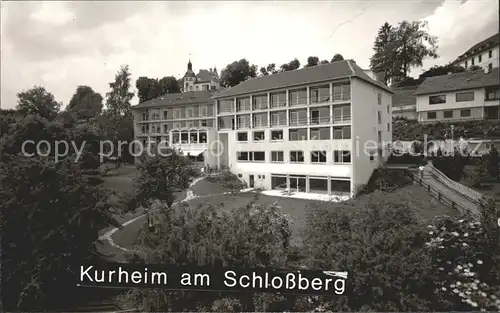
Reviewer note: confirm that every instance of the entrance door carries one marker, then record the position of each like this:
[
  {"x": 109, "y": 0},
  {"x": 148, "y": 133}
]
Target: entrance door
[
  {"x": 251, "y": 181},
  {"x": 298, "y": 183}
]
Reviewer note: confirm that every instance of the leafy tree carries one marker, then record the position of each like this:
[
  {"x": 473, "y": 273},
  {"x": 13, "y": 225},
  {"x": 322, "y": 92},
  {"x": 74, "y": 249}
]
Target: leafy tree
[
  {"x": 312, "y": 61},
  {"x": 493, "y": 159},
  {"x": 60, "y": 214},
  {"x": 85, "y": 103},
  {"x": 160, "y": 177},
  {"x": 480, "y": 174},
  {"x": 290, "y": 66},
  {"x": 147, "y": 88},
  {"x": 38, "y": 101},
  {"x": 118, "y": 99},
  {"x": 269, "y": 70},
  {"x": 169, "y": 84},
  {"x": 451, "y": 165},
  {"x": 414, "y": 44},
  {"x": 324, "y": 62},
  {"x": 384, "y": 236},
  {"x": 237, "y": 72},
  {"x": 7, "y": 118},
  {"x": 473, "y": 68},
  {"x": 337, "y": 57},
  {"x": 252, "y": 236},
  {"x": 397, "y": 49},
  {"x": 385, "y": 52}
]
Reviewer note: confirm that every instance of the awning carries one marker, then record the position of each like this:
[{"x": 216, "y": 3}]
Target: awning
[{"x": 193, "y": 153}]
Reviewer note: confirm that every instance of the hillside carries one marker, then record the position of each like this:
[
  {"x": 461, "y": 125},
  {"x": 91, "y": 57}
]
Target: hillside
[{"x": 407, "y": 130}]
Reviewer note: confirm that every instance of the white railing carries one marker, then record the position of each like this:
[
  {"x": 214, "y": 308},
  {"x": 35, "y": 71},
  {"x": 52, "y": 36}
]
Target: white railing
[{"x": 465, "y": 191}]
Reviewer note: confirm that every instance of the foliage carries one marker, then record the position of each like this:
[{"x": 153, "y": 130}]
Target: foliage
[
  {"x": 268, "y": 70},
  {"x": 408, "y": 130},
  {"x": 237, "y": 72},
  {"x": 151, "y": 88},
  {"x": 118, "y": 99},
  {"x": 60, "y": 216},
  {"x": 480, "y": 174},
  {"x": 397, "y": 49},
  {"x": 466, "y": 254},
  {"x": 160, "y": 177},
  {"x": 85, "y": 103},
  {"x": 38, "y": 101},
  {"x": 337, "y": 57},
  {"x": 312, "y": 61},
  {"x": 324, "y": 62},
  {"x": 406, "y": 158},
  {"x": 451, "y": 165},
  {"x": 380, "y": 245},
  {"x": 386, "y": 180},
  {"x": 253, "y": 236},
  {"x": 493, "y": 159},
  {"x": 227, "y": 180},
  {"x": 439, "y": 70},
  {"x": 290, "y": 66}
]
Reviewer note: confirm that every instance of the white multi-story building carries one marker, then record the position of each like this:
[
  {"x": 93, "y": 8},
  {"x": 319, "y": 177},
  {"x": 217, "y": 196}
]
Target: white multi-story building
[
  {"x": 321, "y": 129},
  {"x": 485, "y": 54},
  {"x": 461, "y": 96}
]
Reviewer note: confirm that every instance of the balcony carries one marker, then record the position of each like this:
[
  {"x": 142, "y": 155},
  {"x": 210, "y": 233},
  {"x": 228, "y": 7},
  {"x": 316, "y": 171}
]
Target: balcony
[
  {"x": 320, "y": 120},
  {"x": 281, "y": 122},
  {"x": 298, "y": 122}
]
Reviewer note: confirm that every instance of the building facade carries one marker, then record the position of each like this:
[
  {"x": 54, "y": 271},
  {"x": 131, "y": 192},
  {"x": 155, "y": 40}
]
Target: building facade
[
  {"x": 320, "y": 129},
  {"x": 485, "y": 54},
  {"x": 204, "y": 80},
  {"x": 461, "y": 96}
]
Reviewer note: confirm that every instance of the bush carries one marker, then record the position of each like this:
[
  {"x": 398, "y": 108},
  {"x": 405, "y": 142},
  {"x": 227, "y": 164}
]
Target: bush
[
  {"x": 381, "y": 245},
  {"x": 406, "y": 158},
  {"x": 386, "y": 180},
  {"x": 227, "y": 180}
]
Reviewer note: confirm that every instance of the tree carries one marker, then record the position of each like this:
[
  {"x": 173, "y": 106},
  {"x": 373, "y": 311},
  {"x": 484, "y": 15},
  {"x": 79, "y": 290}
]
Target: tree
[
  {"x": 248, "y": 237},
  {"x": 61, "y": 215},
  {"x": 147, "y": 88},
  {"x": 269, "y": 70},
  {"x": 312, "y": 61},
  {"x": 38, "y": 101},
  {"x": 397, "y": 49},
  {"x": 385, "y": 51},
  {"x": 480, "y": 174},
  {"x": 169, "y": 84},
  {"x": 290, "y": 66},
  {"x": 493, "y": 159},
  {"x": 118, "y": 99},
  {"x": 414, "y": 44},
  {"x": 160, "y": 177},
  {"x": 474, "y": 68},
  {"x": 337, "y": 57},
  {"x": 85, "y": 103},
  {"x": 324, "y": 62},
  {"x": 237, "y": 72},
  {"x": 382, "y": 234}
]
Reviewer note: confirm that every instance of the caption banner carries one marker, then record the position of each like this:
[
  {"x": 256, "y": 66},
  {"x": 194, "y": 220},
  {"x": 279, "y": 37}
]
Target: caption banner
[{"x": 172, "y": 277}]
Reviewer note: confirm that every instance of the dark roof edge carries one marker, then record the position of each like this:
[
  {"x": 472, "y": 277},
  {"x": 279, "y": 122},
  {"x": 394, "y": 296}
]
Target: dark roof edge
[{"x": 455, "y": 89}]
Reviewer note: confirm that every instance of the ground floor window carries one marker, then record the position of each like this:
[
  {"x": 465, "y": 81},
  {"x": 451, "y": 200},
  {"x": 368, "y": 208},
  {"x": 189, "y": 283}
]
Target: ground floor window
[
  {"x": 298, "y": 183},
  {"x": 318, "y": 185},
  {"x": 340, "y": 185},
  {"x": 278, "y": 182}
]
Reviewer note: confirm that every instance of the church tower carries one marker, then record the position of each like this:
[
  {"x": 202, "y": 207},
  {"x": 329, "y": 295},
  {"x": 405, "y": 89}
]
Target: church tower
[{"x": 189, "y": 78}]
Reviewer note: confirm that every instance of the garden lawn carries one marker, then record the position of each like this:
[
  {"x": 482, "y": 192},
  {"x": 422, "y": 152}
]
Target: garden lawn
[{"x": 204, "y": 188}]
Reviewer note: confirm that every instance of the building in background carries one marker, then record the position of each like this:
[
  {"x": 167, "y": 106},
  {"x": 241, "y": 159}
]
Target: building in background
[
  {"x": 485, "y": 54},
  {"x": 204, "y": 80},
  {"x": 320, "y": 129},
  {"x": 461, "y": 96},
  {"x": 404, "y": 102}
]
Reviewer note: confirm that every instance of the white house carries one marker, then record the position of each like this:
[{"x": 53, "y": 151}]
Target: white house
[
  {"x": 320, "y": 129},
  {"x": 485, "y": 54},
  {"x": 461, "y": 96}
]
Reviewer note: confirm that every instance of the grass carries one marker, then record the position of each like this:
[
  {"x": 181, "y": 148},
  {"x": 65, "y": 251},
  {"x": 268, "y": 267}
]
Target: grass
[{"x": 205, "y": 187}]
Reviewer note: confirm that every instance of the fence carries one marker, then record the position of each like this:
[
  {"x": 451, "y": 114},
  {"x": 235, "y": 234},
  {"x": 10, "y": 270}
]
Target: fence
[
  {"x": 467, "y": 192},
  {"x": 438, "y": 195}
]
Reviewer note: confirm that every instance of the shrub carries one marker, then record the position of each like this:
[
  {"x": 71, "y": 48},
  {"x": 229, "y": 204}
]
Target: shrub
[
  {"x": 386, "y": 180},
  {"x": 227, "y": 180}
]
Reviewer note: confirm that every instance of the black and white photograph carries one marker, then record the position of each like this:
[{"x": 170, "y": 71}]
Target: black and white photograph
[{"x": 250, "y": 156}]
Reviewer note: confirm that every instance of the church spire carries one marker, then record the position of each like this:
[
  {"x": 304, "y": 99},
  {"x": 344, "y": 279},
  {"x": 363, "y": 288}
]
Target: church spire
[{"x": 190, "y": 65}]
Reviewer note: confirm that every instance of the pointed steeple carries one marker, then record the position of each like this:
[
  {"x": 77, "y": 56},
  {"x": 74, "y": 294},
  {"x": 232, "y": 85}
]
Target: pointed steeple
[{"x": 190, "y": 65}]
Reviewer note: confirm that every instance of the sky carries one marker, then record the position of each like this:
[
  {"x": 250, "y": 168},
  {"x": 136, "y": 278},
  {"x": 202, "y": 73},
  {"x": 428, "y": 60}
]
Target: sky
[{"x": 60, "y": 45}]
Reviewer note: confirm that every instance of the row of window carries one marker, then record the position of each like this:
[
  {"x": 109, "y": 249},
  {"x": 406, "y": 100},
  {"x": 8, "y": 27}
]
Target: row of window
[
  {"x": 316, "y": 157},
  {"x": 318, "y": 94},
  {"x": 459, "y": 97},
  {"x": 197, "y": 87},
  {"x": 297, "y": 134},
  {"x": 479, "y": 58},
  {"x": 317, "y": 184},
  {"x": 182, "y": 112},
  {"x": 449, "y": 114},
  {"x": 164, "y": 128}
]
